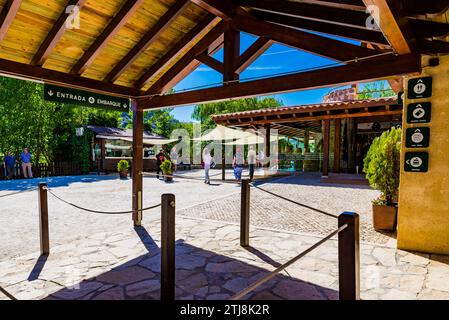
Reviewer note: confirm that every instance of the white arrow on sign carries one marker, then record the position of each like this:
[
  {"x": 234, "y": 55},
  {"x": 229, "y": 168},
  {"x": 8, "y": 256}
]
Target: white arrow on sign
[
  {"x": 417, "y": 130},
  {"x": 50, "y": 93}
]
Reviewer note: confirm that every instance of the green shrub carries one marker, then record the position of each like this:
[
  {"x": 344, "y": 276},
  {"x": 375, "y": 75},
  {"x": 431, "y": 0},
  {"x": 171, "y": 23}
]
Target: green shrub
[
  {"x": 382, "y": 165},
  {"x": 166, "y": 167},
  {"x": 122, "y": 165}
]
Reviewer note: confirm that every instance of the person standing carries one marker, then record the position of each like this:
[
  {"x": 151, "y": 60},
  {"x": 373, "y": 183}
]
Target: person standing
[
  {"x": 238, "y": 163},
  {"x": 207, "y": 160},
  {"x": 160, "y": 157},
  {"x": 10, "y": 163},
  {"x": 26, "y": 163},
  {"x": 174, "y": 158},
  {"x": 251, "y": 161}
]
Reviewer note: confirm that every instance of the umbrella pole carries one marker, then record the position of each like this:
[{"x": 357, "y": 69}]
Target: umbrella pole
[{"x": 223, "y": 160}]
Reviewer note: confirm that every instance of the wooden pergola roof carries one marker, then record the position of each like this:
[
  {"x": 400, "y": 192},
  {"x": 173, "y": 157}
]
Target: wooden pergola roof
[
  {"x": 295, "y": 119},
  {"x": 142, "y": 48}
]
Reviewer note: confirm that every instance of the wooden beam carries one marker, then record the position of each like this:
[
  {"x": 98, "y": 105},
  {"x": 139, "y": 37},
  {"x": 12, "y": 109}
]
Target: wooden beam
[
  {"x": 181, "y": 46},
  {"x": 428, "y": 8},
  {"x": 426, "y": 29},
  {"x": 386, "y": 20},
  {"x": 355, "y": 5},
  {"x": 326, "y": 143},
  {"x": 122, "y": 17},
  {"x": 210, "y": 62},
  {"x": 161, "y": 25},
  {"x": 252, "y": 53},
  {"x": 365, "y": 70},
  {"x": 231, "y": 54},
  {"x": 315, "y": 44},
  {"x": 211, "y": 42},
  {"x": 432, "y": 47},
  {"x": 363, "y": 35},
  {"x": 35, "y": 73},
  {"x": 310, "y": 11},
  {"x": 137, "y": 165},
  {"x": 7, "y": 16},
  {"x": 220, "y": 8},
  {"x": 56, "y": 33},
  {"x": 337, "y": 145}
]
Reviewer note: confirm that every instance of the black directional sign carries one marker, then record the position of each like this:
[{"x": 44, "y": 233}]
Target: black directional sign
[
  {"x": 420, "y": 88},
  {"x": 401, "y": 98},
  {"x": 417, "y": 137},
  {"x": 419, "y": 112},
  {"x": 416, "y": 161},
  {"x": 85, "y": 98}
]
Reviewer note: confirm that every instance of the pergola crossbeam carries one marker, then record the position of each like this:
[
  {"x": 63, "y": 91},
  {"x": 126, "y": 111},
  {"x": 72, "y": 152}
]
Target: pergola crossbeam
[
  {"x": 7, "y": 16},
  {"x": 252, "y": 53}
]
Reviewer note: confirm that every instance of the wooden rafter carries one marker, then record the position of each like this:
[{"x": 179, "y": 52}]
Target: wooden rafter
[
  {"x": 310, "y": 11},
  {"x": 161, "y": 25},
  {"x": 55, "y": 34},
  {"x": 355, "y": 5},
  {"x": 231, "y": 54},
  {"x": 386, "y": 19},
  {"x": 220, "y": 8},
  {"x": 363, "y": 35},
  {"x": 211, "y": 62},
  {"x": 211, "y": 43},
  {"x": 120, "y": 19},
  {"x": 37, "y": 73},
  {"x": 426, "y": 29},
  {"x": 427, "y": 8},
  {"x": 7, "y": 16},
  {"x": 252, "y": 53},
  {"x": 315, "y": 44},
  {"x": 190, "y": 37},
  {"x": 367, "y": 70}
]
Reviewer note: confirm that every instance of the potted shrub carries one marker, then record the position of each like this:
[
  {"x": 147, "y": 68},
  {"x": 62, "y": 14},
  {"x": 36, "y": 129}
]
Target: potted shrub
[
  {"x": 167, "y": 170},
  {"x": 382, "y": 167},
  {"x": 122, "y": 167}
]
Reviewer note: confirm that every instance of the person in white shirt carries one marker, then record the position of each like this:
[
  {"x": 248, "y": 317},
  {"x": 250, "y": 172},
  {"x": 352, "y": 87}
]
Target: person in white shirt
[
  {"x": 251, "y": 161},
  {"x": 207, "y": 160}
]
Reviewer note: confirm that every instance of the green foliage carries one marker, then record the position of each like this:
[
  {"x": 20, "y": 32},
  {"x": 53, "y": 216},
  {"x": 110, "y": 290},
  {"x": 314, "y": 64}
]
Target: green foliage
[
  {"x": 382, "y": 164},
  {"x": 167, "y": 167},
  {"x": 375, "y": 90},
  {"x": 122, "y": 165},
  {"x": 160, "y": 122},
  {"x": 204, "y": 112}
]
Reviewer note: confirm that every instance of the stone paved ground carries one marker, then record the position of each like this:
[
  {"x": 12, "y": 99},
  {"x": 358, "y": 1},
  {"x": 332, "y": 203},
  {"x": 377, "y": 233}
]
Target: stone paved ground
[
  {"x": 103, "y": 257},
  {"x": 211, "y": 265},
  {"x": 269, "y": 211}
]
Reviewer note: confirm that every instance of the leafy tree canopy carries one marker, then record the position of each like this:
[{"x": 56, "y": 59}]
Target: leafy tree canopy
[{"x": 204, "y": 112}]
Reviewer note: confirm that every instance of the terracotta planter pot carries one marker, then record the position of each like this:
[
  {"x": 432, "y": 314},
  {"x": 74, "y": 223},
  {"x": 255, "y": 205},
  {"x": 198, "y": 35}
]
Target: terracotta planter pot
[
  {"x": 123, "y": 174},
  {"x": 385, "y": 217}
]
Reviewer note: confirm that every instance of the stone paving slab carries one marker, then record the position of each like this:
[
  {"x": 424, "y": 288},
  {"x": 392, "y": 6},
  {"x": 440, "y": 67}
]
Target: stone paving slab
[{"x": 211, "y": 265}]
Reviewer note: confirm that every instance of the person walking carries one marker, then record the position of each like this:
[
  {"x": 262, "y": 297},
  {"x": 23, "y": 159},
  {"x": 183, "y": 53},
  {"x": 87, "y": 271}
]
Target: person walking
[
  {"x": 238, "y": 163},
  {"x": 174, "y": 158},
  {"x": 160, "y": 157},
  {"x": 26, "y": 163},
  {"x": 10, "y": 163},
  {"x": 207, "y": 160},
  {"x": 251, "y": 161}
]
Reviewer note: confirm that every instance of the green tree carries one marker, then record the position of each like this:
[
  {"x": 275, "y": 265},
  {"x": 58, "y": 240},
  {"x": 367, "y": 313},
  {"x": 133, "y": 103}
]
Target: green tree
[
  {"x": 204, "y": 112},
  {"x": 160, "y": 122},
  {"x": 373, "y": 90}
]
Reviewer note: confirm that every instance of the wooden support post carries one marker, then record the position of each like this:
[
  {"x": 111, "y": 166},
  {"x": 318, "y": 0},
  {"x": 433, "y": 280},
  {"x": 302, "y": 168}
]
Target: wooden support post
[
  {"x": 223, "y": 160},
  {"x": 168, "y": 247},
  {"x": 349, "y": 257},
  {"x": 244, "y": 213},
  {"x": 137, "y": 164},
  {"x": 337, "y": 145},
  {"x": 43, "y": 219},
  {"x": 267, "y": 141},
  {"x": 326, "y": 136},
  {"x": 306, "y": 141}
]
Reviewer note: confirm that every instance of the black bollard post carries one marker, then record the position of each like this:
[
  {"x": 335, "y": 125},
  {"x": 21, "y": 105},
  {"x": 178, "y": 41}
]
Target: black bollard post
[{"x": 168, "y": 247}]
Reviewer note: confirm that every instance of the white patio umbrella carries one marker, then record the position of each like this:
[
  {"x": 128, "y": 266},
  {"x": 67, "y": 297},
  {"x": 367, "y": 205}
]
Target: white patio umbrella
[
  {"x": 252, "y": 140},
  {"x": 224, "y": 133}
]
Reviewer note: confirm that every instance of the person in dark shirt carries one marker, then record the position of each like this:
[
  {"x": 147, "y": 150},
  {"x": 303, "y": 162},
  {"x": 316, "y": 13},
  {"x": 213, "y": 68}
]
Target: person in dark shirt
[
  {"x": 160, "y": 157},
  {"x": 10, "y": 162}
]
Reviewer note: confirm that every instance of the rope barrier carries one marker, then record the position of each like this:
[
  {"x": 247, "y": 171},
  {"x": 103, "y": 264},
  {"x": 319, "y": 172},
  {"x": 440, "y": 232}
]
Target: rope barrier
[
  {"x": 100, "y": 212},
  {"x": 295, "y": 202},
  {"x": 6, "y": 293},
  {"x": 272, "y": 274},
  {"x": 18, "y": 192},
  {"x": 190, "y": 178}
]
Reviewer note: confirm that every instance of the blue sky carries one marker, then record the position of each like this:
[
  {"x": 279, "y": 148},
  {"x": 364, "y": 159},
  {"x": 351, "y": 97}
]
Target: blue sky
[{"x": 276, "y": 60}]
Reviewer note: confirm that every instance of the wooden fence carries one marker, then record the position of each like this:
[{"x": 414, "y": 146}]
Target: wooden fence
[{"x": 46, "y": 170}]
